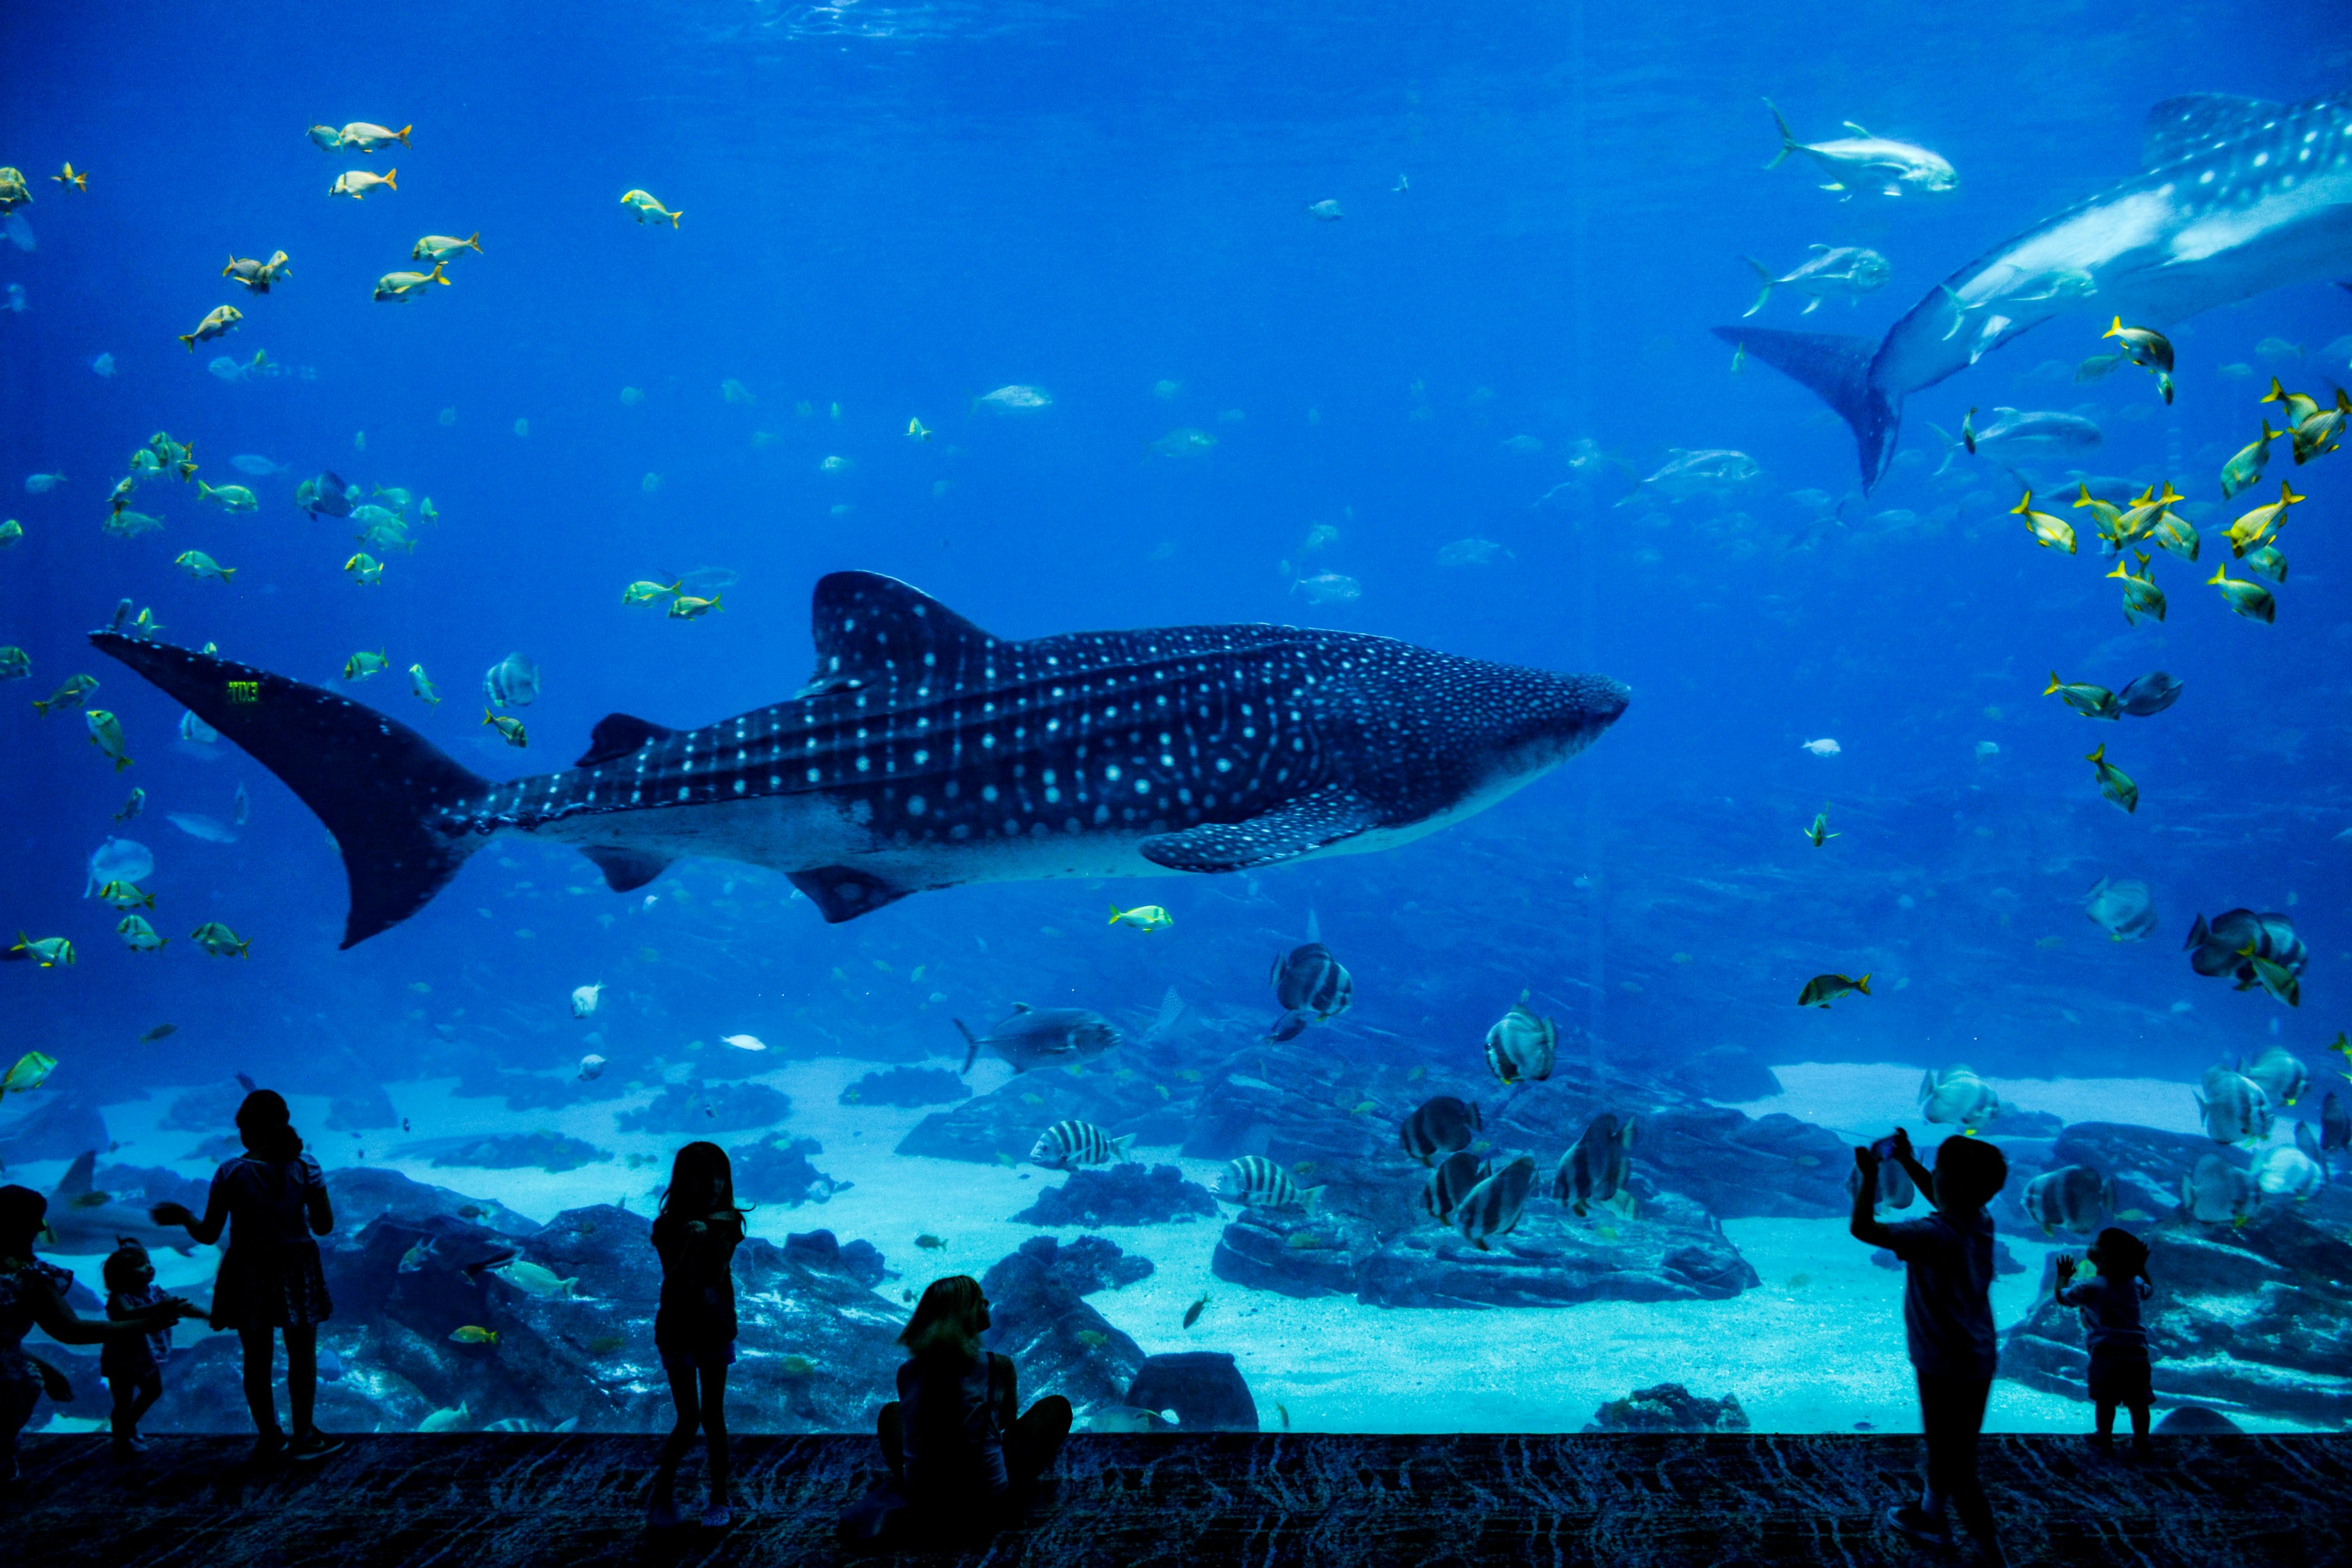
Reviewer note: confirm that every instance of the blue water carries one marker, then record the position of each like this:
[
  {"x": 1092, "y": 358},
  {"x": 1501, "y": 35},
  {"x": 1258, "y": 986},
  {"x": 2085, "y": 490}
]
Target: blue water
[{"x": 890, "y": 212}]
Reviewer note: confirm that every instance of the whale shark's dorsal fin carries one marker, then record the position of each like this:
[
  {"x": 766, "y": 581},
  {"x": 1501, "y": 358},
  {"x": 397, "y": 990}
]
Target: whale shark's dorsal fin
[
  {"x": 619, "y": 735},
  {"x": 866, "y": 625},
  {"x": 78, "y": 1177},
  {"x": 625, "y": 870},
  {"x": 2194, "y": 121}
]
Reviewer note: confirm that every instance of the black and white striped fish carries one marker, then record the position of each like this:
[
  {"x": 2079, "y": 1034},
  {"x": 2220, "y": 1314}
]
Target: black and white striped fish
[
  {"x": 1492, "y": 1207},
  {"x": 1595, "y": 1169},
  {"x": 1309, "y": 979},
  {"x": 1066, "y": 1145},
  {"x": 1255, "y": 1181},
  {"x": 1521, "y": 1045},
  {"x": 1450, "y": 1182},
  {"x": 1438, "y": 1128}
]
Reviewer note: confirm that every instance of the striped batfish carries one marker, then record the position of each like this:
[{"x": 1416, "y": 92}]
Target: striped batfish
[
  {"x": 1492, "y": 1207},
  {"x": 1595, "y": 1170},
  {"x": 1309, "y": 979},
  {"x": 1450, "y": 1182},
  {"x": 1255, "y": 1181},
  {"x": 1068, "y": 1144},
  {"x": 1438, "y": 1128},
  {"x": 1522, "y": 1045}
]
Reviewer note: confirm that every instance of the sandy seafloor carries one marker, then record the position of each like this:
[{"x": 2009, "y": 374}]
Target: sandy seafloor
[{"x": 1818, "y": 1348}]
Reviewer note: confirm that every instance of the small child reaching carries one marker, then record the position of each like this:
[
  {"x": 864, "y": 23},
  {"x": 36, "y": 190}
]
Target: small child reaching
[
  {"x": 2109, "y": 1304},
  {"x": 133, "y": 1367}
]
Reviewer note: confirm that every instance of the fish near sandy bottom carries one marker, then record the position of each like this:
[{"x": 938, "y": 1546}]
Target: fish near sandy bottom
[
  {"x": 1043, "y": 1036},
  {"x": 926, "y": 754}
]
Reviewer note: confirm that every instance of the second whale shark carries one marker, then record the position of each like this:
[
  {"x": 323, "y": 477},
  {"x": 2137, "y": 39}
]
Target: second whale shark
[
  {"x": 2236, "y": 196},
  {"x": 927, "y": 753}
]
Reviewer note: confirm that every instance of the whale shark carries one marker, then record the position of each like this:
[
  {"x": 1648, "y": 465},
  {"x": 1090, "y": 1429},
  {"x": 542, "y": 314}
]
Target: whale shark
[
  {"x": 926, "y": 754},
  {"x": 2236, "y": 196}
]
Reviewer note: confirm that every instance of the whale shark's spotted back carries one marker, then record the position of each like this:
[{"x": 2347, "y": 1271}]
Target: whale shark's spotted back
[{"x": 926, "y": 752}]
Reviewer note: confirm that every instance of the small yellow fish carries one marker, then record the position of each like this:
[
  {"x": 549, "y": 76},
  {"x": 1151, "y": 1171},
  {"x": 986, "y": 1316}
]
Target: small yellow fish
[
  {"x": 919, "y": 430},
  {"x": 222, "y": 319},
  {"x": 2260, "y": 525},
  {"x": 106, "y": 734},
  {"x": 2049, "y": 532},
  {"x": 219, "y": 940},
  {"x": 397, "y": 287},
  {"x": 362, "y": 665},
  {"x": 647, "y": 207},
  {"x": 199, "y": 565},
  {"x": 365, "y": 568},
  {"x": 366, "y": 138},
  {"x": 48, "y": 953},
  {"x": 645, "y": 591},
  {"x": 2251, "y": 600},
  {"x": 2298, "y": 405},
  {"x": 139, "y": 936},
  {"x": 1823, "y": 989},
  {"x": 441, "y": 247},
  {"x": 228, "y": 497},
  {"x": 2090, "y": 701},
  {"x": 69, "y": 695},
  {"x": 1143, "y": 917},
  {"x": 120, "y": 895},
  {"x": 2245, "y": 468},
  {"x": 2114, "y": 782},
  {"x": 2317, "y": 434},
  {"x": 471, "y": 1334},
  {"x": 2175, "y": 535},
  {"x": 2105, "y": 514},
  {"x": 73, "y": 178},
  {"x": 929, "y": 1242},
  {"x": 13, "y": 192},
  {"x": 357, "y": 183},
  {"x": 2266, "y": 561},
  {"x": 508, "y": 727},
  {"x": 2142, "y": 597},
  {"x": 1818, "y": 833},
  {"x": 687, "y": 607},
  {"x": 257, "y": 276},
  {"x": 422, "y": 684}
]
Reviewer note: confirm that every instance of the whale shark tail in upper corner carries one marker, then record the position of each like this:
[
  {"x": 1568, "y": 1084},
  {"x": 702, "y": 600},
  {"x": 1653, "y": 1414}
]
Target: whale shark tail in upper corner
[
  {"x": 376, "y": 784},
  {"x": 1837, "y": 369}
]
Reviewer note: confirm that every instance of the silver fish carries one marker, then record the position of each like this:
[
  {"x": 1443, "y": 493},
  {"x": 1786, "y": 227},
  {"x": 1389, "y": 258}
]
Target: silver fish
[
  {"x": 1047, "y": 1036},
  {"x": 2072, "y": 1197},
  {"x": 1595, "y": 1168},
  {"x": 1849, "y": 270},
  {"x": 512, "y": 682},
  {"x": 1521, "y": 1045},
  {"x": 2234, "y": 1108},
  {"x": 2217, "y": 1193},
  {"x": 2149, "y": 694},
  {"x": 1309, "y": 979},
  {"x": 2125, "y": 910},
  {"x": 1438, "y": 1127},
  {"x": 2280, "y": 1074},
  {"x": 1450, "y": 1180},
  {"x": 1958, "y": 1095}
]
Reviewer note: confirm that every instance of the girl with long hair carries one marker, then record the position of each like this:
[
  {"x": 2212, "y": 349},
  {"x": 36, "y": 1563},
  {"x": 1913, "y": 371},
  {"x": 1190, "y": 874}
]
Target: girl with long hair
[
  {"x": 695, "y": 1234},
  {"x": 953, "y": 1437},
  {"x": 272, "y": 1200}
]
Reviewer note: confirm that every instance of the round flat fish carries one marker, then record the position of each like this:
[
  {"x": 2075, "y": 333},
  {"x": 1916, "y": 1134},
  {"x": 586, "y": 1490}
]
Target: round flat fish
[{"x": 2125, "y": 910}]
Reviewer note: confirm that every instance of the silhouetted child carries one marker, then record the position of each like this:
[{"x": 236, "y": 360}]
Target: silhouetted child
[
  {"x": 695, "y": 1234},
  {"x": 271, "y": 1201},
  {"x": 1948, "y": 1319},
  {"x": 133, "y": 1366},
  {"x": 34, "y": 1293},
  {"x": 2109, "y": 1303},
  {"x": 961, "y": 1454}
]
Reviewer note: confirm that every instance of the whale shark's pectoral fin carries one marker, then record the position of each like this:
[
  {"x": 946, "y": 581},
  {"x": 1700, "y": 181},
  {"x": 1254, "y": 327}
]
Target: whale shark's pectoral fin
[
  {"x": 77, "y": 1180},
  {"x": 1295, "y": 827},
  {"x": 842, "y": 894},
  {"x": 626, "y": 869}
]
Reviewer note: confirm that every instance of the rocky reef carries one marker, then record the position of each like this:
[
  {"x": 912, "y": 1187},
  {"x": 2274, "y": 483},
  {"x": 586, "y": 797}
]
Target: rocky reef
[
  {"x": 699, "y": 1110},
  {"x": 909, "y": 1087},
  {"x": 1123, "y": 1195},
  {"x": 776, "y": 1170},
  {"x": 1669, "y": 1407}
]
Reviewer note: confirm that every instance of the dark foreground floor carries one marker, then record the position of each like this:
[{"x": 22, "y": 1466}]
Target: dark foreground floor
[{"x": 493, "y": 1501}]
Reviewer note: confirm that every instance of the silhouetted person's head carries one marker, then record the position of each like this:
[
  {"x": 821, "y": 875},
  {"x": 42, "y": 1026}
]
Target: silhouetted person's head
[
  {"x": 2119, "y": 1254},
  {"x": 267, "y": 1127},
  {"x": 128, "y": 1269},
  {"x": 948, "y": 1319},
  {"x": 701, "y": 1182},
  {"x": 1969, "y": 1171},
  {"x": 24, "y": 1214}
]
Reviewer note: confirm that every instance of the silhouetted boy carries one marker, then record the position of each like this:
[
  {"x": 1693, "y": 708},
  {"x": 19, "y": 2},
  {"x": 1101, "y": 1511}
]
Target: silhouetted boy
[{"x": 1946, "y": 1318}]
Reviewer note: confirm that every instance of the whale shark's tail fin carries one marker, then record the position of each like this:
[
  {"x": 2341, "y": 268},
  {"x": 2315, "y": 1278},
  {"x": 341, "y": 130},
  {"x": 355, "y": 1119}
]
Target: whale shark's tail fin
[
  {"x": 1837, "y": 369},
  {"x": 377, "y": 785}
]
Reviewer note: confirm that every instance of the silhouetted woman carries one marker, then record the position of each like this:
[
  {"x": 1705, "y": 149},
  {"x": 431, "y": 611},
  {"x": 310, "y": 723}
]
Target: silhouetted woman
[
  {"x": 272, "y": 1200},
  {"x": 33, "y": 1293},
  {"x": 695, "y": 1234},
  {"x": 952, "y": 1439}
]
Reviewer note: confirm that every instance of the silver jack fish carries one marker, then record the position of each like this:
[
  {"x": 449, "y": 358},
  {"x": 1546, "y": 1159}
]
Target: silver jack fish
[
  {"x": 2237, "y": 196},
  {"x": 926, "y": 754}
]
